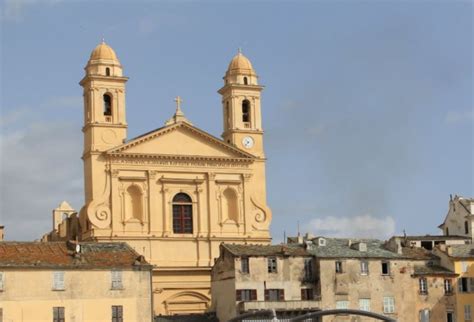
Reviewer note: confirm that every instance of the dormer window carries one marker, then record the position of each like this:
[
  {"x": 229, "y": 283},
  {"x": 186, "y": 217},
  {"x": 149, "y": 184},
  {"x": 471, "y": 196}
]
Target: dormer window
[
  {"x": 107, "y": 105},
  {"x": 107, "y": 71},
  {"x": 246, "y": 111}
]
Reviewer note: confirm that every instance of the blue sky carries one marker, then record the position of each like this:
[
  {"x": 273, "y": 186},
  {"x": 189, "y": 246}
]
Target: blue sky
[{"x": 368, "y": 106}]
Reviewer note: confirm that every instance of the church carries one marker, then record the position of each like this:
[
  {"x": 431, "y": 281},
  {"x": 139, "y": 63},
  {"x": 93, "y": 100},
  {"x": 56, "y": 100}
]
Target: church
[{"x": 175, "y": 193}]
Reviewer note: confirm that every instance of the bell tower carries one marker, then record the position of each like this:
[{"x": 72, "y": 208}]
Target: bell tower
[
  {"x": 241, "y": 106},
  {"x": 105, "y": 125}
]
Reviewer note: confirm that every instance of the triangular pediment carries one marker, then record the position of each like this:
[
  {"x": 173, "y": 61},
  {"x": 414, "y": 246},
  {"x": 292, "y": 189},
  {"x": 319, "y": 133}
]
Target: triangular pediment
[{"x": 180, "y": 139}]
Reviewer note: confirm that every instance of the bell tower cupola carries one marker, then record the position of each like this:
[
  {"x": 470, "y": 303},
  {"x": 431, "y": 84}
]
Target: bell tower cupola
[
  {"x": 104, "y": 100},
  {"x": 241, "y": 106}
]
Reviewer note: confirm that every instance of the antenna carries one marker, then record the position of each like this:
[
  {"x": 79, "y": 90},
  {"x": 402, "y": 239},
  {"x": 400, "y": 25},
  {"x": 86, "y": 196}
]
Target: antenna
[
  {"x": 298, "y": 228},
  {"x": 284, "y": 236}
]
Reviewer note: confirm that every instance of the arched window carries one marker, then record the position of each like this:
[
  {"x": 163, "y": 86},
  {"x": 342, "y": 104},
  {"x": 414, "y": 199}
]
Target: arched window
[
  {"x": 134, "y": 202},
  {"x": 447, "y": 231},
  {"x": 182, "y": 214},
  {"x": 107, "y": 71},
  {"x": 246, "y": 82},
  {"x": 246, "y": 111},
  {"x": 107, "y": 104},
  {"x": 466, "y": 227}
]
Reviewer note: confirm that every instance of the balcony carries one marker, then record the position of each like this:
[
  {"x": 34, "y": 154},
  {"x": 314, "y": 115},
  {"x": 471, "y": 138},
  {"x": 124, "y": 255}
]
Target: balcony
[{"x": 279, "y": 305}]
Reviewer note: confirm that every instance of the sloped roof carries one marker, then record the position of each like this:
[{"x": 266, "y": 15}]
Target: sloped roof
[
  {"x": 62, "y": 255},
  {"x": 432, "y": 270},
  {"x": 266, "y": 250},
  {"x": 462, "y": 251},
  {"x": 340, "y": 248}
]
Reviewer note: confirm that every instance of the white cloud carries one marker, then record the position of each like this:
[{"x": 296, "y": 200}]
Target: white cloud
[
  {"x": 366, "y": 226},
  {"x": 454, "y": 117}
]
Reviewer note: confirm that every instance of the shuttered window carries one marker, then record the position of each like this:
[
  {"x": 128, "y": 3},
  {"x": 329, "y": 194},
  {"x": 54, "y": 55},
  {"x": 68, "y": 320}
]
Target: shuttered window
[
  {"x": 425, "y": 315},
  {"x": 58, "y": 314},
  {"x": 307, "y": 294},
  {"x": 117, "y": 313},
  {"x": 246, "y": 295},
  {"x": 275, "y": 294},
  {"x": 58, "y": 281},
  {"x": 244, "y": 265},
  {"x": 272, "y": 264},
  {"x": 467, "y": 312},
  {"x": 116, "y": 280},
  {"x": 388, "y": 304}
]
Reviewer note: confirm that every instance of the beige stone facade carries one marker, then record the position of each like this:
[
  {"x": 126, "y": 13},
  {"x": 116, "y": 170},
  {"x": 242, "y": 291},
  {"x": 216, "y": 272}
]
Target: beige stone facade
[
  {"x": 44, "y": 281},
  {"x": 174, "y": 193},
  {"x": 329, "y": 273}
]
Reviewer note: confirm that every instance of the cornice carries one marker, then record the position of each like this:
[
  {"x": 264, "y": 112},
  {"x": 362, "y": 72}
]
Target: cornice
[
  {"x": 121, "y": 79},
  {"x": 96, "y": 124},
  {"x": 226, "y": 87},
  {"x": 120, "y": 155},
  {"x": 167, "y": 129}
]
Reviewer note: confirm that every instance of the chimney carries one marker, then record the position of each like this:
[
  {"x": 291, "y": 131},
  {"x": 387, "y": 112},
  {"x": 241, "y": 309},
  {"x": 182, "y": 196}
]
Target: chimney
[{"x": 2, "y": 233}]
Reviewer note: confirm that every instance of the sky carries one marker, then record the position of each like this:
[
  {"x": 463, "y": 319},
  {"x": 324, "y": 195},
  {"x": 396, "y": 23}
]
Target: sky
[{"x": 367, "y": 108}]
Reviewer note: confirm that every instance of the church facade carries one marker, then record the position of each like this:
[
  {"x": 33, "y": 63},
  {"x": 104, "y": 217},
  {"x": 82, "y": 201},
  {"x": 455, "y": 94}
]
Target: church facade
[{"x": 176, "y": 193}]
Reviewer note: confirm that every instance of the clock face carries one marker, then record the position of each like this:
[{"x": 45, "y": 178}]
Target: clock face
[{"x": 247, "y": 142}]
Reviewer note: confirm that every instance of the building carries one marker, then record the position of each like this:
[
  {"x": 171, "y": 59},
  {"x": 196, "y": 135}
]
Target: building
[
  {"x": 174, "y": 193},
  {"x": 309, "y": 274},
  {"x": 429, "y": 242},
  {"x": 460, "y": 259},
  {"x": 460, "y": 218},
  {"x": 59, "y": 281},
  {"x": 254, "y": 277}
]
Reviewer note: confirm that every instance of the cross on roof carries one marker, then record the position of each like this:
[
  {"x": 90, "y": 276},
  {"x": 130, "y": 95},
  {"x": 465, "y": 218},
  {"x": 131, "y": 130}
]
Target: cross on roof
[{"x": 178, "y": 101}]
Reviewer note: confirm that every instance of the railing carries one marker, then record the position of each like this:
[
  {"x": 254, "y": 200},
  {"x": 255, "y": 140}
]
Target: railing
[
  {"x": 271, "y": 316},
  {"x": 279, "y": 305}
]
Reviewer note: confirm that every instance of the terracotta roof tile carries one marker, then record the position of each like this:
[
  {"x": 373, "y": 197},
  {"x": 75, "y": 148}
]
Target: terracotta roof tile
[{"x": 62, "y": 255}]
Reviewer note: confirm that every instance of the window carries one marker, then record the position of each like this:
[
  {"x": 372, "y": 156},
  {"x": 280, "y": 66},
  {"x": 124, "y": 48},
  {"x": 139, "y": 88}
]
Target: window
[
  {"x": 448, "y": 286},
  {"x": 107, "y": 71},
  {"x": 423, "y": 285},
  {"x": 272, "y": 264},
  {"x": 338, "y": 267},
  {"x": 308, "y": 269},
  {"x": 385, "y": 268},
  {"x": 467, "y": 312},
  {"x": 466, "y": 285},
  {"x": 449, "y": 316},
  {"x": 246, "y": 111},
  {"x": 244, "y": 265},
  {"x": 342, "y": 305},
  {"x": 107, "y": 105},
  {"x": 425, "y": 315},
  {"x": 246, "y": 295},
  {"x": 116, "y": 277},
  {"x": 364, "y": 267},
  {"x": 307, "y": 294},
  {"x": 246, "y": 82},
  {"x": 388, "y": 304},
  {"x": 182, "y": 214},
  {"x": 58, "y": 281},
  {"x": 466, "y": 227},
  {"x": 274, "y": 295},
  {"x": 447, "y": 234},
  {"x": 58, "y": 314},
  {"x": 117, "y": 313},
  {"x": 464, "y": 267},
  {"x": 364, "y": 304},
  {"x": 1, "y": 281},
  {"x": 1, "y": 314}
]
